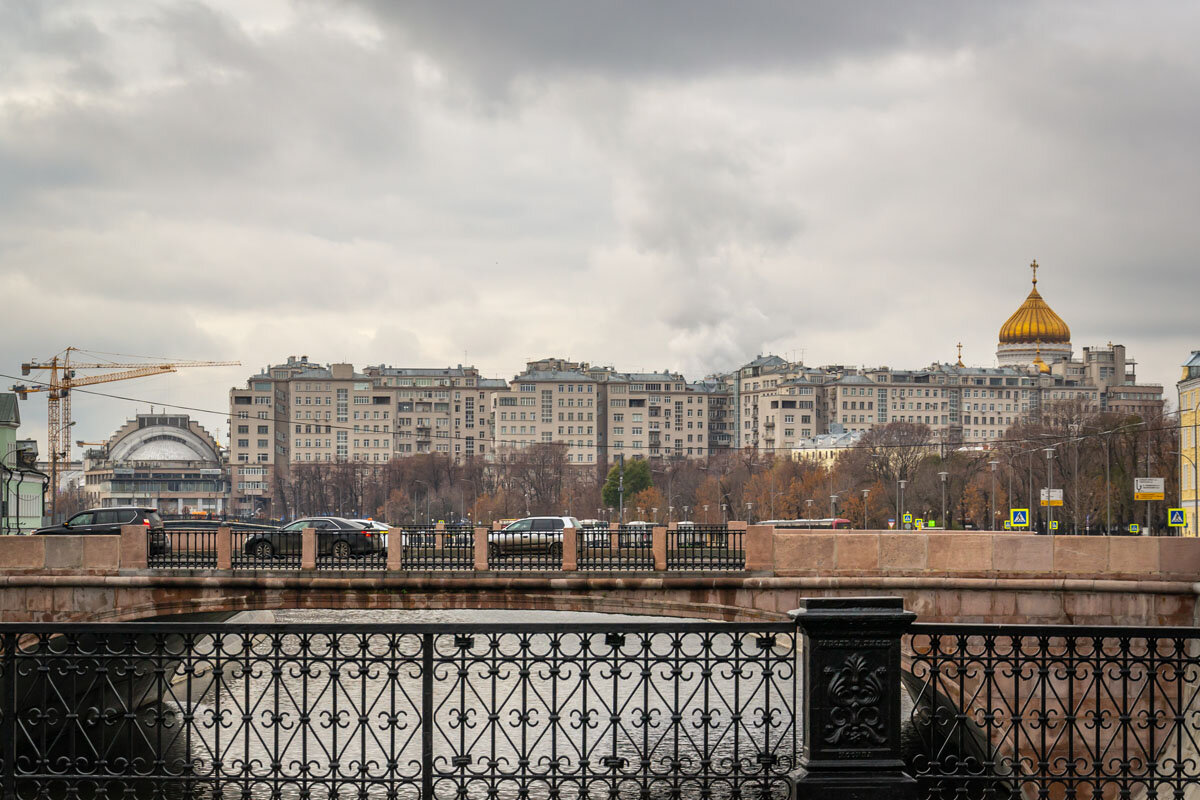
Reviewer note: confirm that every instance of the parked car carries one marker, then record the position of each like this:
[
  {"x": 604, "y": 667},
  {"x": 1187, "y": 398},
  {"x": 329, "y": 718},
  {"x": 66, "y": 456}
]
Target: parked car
[
  {"x": 530, "y": 535},
  {"x": 110, "y": 520},
  {"x": 375, "y": 525},
  {"x": 336, "y": 536},
  {"x": 636, "y": 533},
  {"x": 688, "y": 536}
]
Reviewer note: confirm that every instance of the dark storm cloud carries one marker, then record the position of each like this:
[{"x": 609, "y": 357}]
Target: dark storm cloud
[{"x": 679, "y": 39}]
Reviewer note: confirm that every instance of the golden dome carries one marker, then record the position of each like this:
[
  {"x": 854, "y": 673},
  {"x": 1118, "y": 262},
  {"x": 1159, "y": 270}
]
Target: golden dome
[{"x": 1034, "y": 321}]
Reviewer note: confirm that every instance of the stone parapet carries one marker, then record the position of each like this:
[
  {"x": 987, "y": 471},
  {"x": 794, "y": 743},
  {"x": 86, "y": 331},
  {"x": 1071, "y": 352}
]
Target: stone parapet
[{"x": 984, "y": 554}]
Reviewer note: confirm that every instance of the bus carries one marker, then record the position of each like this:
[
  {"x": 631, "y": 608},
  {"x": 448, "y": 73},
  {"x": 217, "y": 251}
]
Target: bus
[{"x": 827, "y": 524}]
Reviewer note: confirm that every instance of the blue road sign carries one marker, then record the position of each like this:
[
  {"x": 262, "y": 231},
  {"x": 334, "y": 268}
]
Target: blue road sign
[
  {"x": 1135, "y": 528},
  {"x": 908, "y": 519},
  {"x": 1019, "y": 517},
  {"x": 1177, "y": 518}
]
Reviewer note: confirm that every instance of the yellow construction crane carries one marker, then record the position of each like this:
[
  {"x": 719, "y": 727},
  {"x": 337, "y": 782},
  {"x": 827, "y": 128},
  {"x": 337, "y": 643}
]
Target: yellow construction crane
[{"x": 58, "y": 395}]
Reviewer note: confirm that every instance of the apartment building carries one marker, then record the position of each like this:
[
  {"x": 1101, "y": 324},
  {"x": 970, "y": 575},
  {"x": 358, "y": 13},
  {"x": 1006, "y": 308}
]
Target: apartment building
[
  {"x": 441, "y": 410},
  {"x": 656, "y": 415},
  {"x": 550, "y": 405},
  {"x": 1188, "y": 389}
]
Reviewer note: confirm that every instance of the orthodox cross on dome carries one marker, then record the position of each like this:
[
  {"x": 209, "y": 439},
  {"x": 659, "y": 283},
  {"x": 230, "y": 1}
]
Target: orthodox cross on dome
[
  {"x": 1034, "y": 266},
  {"x": 960, "y": 362}
]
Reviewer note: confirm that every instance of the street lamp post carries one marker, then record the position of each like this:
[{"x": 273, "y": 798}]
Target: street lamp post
[
  {"x": 900, "y": 504},
  {"x": 992, "y": 518},
  {"x": 865, "y": 493},
  {"x": 1049, "y": 488},
  {"x": 724, "y": 513},
  {"x": 1074, "y": 429},
  {"x": 808, "y": 507},
  {"x": 833, "y": 498},
  {"x": 749, "y": 512},
  {"x": 943, "y": 476}
]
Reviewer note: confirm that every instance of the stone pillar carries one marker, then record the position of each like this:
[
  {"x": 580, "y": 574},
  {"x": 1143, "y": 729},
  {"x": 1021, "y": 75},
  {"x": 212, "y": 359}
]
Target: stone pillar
[
  {"x": 224, "y": 547},
  {"x": 439, "y": 534},
  {"x": 851, "y": 699},
  {"x": 134, "y": 547},
  {"x": 308, "y": 548},
  {"x": 658, "y": 544},
  {"x": 760, "y": 548},
  {"x": 395, "y": 550},
  {"x": 569, "y": 549},
  {"x": 614, "y": 536},
  {"x": 481, "y": 549}
]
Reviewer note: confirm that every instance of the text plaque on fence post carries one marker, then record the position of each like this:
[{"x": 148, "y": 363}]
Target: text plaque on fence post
[{"x": 851, "y": 712}]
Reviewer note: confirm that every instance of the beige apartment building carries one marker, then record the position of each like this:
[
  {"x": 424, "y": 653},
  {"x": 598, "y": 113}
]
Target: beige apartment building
[
  {"x": 656, "y": 415},
  {"x": 301, "y": 412},
  {"x": 441, "y": 410},
  {"x": 551, "y": 401}
]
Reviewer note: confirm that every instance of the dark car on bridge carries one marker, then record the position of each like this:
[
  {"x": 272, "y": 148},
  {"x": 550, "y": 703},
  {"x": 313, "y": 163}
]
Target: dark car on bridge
[
  {"x": 109, "y": 521},
  {"x": 336, "y": 536}
]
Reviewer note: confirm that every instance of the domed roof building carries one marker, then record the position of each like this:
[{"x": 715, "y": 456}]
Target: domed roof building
[
  {"x": 1034, "y": 335},
  {"x": 165, "y": 460}
]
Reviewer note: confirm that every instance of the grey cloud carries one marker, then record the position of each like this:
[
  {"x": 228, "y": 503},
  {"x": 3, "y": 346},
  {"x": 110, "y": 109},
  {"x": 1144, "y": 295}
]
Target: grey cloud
[{"x": 495, "y": 43}]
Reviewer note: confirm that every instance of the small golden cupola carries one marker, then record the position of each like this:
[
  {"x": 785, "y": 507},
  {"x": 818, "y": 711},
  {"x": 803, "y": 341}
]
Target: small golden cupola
[{"x": 1034, "y": 321}]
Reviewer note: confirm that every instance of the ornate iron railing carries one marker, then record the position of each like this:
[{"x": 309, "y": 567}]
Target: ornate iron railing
[
  {"x": 1055, "y": 711},
  {"x": 627, "y": 548},
  {"x": 182, "y": 548},
  {"x": 264, "y": 550},
  {"x": 183, "y": 710},
  {"x": 706, "y": 547},
  {"x": 426, "y": 548}
]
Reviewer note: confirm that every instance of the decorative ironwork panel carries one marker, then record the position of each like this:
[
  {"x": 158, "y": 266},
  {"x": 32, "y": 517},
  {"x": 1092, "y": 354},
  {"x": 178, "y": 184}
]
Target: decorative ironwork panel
[
  {"x": 630, "y": 547},
  {"x": 265, "y": 550},
  {"x": 706, "y": 547},
  {"x": 310, "y": 711},
  {"x": 429, "y": 549},
  {"x": 1055, "y": 711},
  {"x": 182, "y": 549}
]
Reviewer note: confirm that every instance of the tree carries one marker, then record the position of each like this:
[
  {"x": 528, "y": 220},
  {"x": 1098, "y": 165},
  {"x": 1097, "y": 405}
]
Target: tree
[{"x": 637, "y": 478}]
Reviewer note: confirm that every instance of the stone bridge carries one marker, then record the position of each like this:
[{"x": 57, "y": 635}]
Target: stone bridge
[{"x": 942, "y": 576}]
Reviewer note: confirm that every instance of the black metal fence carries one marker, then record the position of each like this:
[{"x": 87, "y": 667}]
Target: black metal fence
[
  {"x": 525, "y": 551},
  {"x": 264, "y": 550},
  {"x": 520, "y": 711},
  {"x": 1061, "y": 711},
  {"x": 426, "y": 548},
  {"x": 623, "y": 549},
  {"x": 181, "y": 548},
  {"x": 706, "y": 547},
  {"x": 350, "y": 550}
]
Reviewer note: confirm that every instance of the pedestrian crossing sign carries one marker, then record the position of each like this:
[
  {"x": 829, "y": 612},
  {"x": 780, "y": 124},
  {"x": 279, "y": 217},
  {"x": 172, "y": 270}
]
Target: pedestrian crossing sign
[
  {"x": 1135, "y": 528},
  {"x": 920, "y": 524},
  {"x": 1007, "y": 525},
  {"x": 908, "y": 519},
  {"x": 1176, "y": 518},
  {"x": 1018, "y": 517},
  {"x": 1053, "y": 524}
]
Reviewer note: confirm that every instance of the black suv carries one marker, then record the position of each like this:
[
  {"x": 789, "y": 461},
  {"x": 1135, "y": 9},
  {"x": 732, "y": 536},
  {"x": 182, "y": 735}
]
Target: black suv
[{"x": 110, "y": 520}]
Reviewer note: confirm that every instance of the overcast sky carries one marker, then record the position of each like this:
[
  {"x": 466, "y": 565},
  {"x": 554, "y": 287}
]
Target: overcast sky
[{"x": 652, "y": 185}]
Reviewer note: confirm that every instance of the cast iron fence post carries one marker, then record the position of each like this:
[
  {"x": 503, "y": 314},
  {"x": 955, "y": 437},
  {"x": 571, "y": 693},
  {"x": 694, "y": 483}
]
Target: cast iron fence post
[
  {"x": 851, "y": 710},
  {"x": 8, "y": 718},
  {"x": 427, "y": 716}
]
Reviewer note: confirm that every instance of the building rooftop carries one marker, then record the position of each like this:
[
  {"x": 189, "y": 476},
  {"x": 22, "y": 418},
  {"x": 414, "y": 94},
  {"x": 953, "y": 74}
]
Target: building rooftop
[
  {"x": 10, "y": 412},
  {"x": 554, "y": 375}
]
